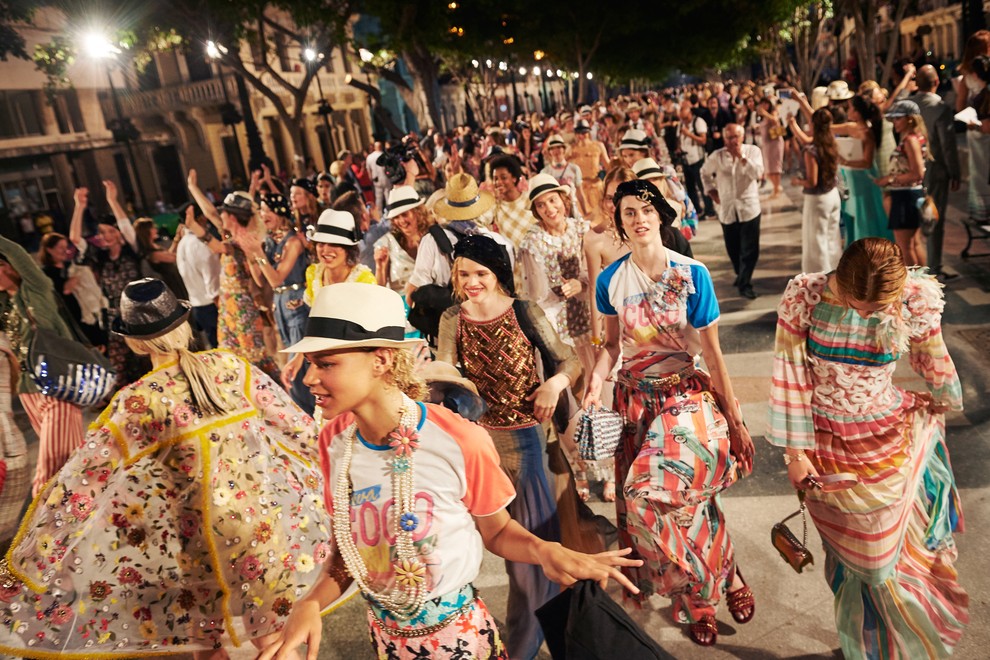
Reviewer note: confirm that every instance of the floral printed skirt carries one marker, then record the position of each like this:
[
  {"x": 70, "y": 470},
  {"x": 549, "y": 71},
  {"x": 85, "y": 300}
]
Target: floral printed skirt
[{"x": 471, "y": 636}]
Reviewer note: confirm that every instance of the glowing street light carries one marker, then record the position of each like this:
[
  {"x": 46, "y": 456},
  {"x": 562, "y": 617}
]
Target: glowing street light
[
  {"x": 365, "y": 55},
  {"x": 538, "y": 55},
  {"x": 474, "y": 63},
  {"x": 309, "y": 54},
  {"x": 560, "y": 74},
  {"x": 502, "y": 66},
  {"x": 588, "y": 75},
  {"x": 536, "y": 71},
  {"x": 522, "y": 71},
  {"x": 99, "y": 47},
  {"x": 549, "y": 73},
  {"x": 488, "y": 63}
]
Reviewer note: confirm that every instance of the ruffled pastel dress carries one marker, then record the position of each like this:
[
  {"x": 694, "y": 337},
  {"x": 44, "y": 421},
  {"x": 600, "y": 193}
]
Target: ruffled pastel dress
[{"x": 889, "y": 549}]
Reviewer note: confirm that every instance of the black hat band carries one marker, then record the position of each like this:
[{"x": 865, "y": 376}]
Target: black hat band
[
  {"x": 328, "y": 328},
  {"x": 351, "y": 234},
  {"x": 650, "y": 170},
  {"x": 464, "y": 205},
  {"x": 539, "y": 190},
  {"x": 401, "y": 203},
  {"x": 138, "y": 330}
]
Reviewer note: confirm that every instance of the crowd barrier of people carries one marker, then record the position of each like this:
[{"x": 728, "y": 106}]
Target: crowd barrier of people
[{"x": 364, "y": 377}]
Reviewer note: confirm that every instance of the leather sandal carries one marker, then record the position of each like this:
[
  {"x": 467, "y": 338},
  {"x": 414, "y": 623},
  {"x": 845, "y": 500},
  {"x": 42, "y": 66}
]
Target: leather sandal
[
  {"x": 705, "y": 626},
  {"x": 741, "y": 602}
]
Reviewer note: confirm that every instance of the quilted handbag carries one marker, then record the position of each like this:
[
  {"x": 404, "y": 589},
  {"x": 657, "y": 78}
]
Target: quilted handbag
[
  {"x": 67, "y": 370},
  {"x": 598, "y": 434}
]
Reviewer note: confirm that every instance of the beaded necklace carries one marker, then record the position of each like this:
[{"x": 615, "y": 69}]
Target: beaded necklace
[{"x": 406, "y": 598}]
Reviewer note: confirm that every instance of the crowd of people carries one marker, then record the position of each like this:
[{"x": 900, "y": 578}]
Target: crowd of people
[{"x": 514, "y": 276}]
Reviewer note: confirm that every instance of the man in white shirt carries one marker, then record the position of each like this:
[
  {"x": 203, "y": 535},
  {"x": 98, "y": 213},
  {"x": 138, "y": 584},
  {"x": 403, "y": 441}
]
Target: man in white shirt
[
  {"x": 731, "y": 177},
  {"x": 200, "y": 270},
  {"x": 379, "y": 180},
  {"x": 693, "y": 133}
]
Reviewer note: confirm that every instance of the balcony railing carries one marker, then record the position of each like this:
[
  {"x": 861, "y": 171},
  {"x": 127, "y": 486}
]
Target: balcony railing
[
  {"x": 210, "y": 93},
  {"x": 175, "y": 97}
]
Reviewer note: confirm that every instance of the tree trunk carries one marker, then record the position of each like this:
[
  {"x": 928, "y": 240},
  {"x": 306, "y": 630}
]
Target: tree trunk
[
  {"x": 426, "y": 84},
  {"x": 893, "y": 52}
]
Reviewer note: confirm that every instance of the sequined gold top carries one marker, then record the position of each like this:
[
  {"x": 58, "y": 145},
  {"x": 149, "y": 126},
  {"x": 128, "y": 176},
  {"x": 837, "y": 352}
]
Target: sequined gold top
[{"x": 500, "y": 361}]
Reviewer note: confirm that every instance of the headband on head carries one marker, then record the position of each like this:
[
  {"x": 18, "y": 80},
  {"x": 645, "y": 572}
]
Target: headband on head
[
  {"x": 485, "y": 251},
  {"x": 644, "y": 191}
]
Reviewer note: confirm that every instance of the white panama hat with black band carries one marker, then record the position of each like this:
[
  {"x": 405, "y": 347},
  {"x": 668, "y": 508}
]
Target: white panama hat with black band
[
  {"x": 541, "y": 184},
  {"x": 354, "y": 315},
  {"x": 401, "y": 199},
  {"x": 335, "y": 228},
  {"x": 647, "y": 168},
  {"x": 635, "y": 139}
]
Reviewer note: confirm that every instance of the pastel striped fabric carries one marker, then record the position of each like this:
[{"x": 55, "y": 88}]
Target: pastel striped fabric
[
  {"x": 888, "y": 541},
  {"x": 674, "y": 461}
]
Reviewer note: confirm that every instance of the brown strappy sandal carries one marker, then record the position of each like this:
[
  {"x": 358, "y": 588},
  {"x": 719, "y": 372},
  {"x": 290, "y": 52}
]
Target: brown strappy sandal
[
  {"x": 706, "y": 625},
  {"x": 741, "y": 602}
]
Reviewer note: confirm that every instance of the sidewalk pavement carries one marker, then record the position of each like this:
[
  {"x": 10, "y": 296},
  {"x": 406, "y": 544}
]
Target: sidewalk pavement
[{"x": 794, "y": 616}]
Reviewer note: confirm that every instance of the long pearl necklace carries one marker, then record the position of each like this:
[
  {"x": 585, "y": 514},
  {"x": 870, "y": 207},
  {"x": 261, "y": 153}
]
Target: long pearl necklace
[{"x": 406, "y": 598}]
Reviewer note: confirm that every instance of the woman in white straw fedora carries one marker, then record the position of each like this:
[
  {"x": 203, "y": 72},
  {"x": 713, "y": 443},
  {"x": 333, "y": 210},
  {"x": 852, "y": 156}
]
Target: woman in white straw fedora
[
  {"x": 336, "y": 239},
  {"x": 395, "y": 252},
  {"x": 158, "y": 535},
  {"x": 416, "y": 495}
]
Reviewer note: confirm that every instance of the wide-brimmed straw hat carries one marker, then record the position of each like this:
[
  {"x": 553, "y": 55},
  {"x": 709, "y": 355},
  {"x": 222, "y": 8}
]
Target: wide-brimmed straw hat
[
  {"x": 541, "y": 184},
  {"x": 335, "y": 228},
  {"x": 463, "y": 200},
  {"x": 354, "y": 315},
  {"x": 647, "y": 168},
  {"x": 554, "y": 141},
  {"x": 149, "y": 309},
  {"x": 401, "y": 199}
]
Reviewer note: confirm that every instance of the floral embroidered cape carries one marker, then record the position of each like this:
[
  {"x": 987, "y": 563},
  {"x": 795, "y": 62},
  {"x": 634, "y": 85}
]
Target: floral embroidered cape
[{"x": 171, "y": 531}]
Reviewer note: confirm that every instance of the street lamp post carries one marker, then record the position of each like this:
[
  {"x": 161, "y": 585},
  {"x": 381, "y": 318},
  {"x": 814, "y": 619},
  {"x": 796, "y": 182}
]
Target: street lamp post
[
  {"x": 324, "y": 108},
  {"x": 99, "y": 47},
  {"x": 228, "y": 113}
]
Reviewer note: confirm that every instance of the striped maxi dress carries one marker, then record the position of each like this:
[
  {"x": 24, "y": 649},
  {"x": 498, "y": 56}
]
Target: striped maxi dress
[{"x": 888, "y": 541}]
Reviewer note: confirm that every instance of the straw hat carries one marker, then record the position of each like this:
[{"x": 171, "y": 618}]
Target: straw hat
[
  {"x": 335, "y": 228},
  {"x": 838, "y": 90},
  {"x": 555, "y": 141},
  {"x": 354, "y": 315},
  {"x": 463, "y": 200},
  {"x": 647, "y": 168},
  {"x": 401, "y": 199},
  {"x": 149, "y": 309}
]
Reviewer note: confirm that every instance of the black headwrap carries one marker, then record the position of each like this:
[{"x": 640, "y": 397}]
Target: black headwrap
[
  {"x": 485, "y": 251},
  {"x": 278, "y": 204}
]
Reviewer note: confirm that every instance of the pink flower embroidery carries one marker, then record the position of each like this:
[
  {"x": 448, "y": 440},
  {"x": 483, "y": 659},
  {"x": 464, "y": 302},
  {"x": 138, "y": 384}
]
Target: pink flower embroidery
[
  {"x": 61, "y": 614},
  {"x": 404, "y": 441},
  {"x": 251, "y": 568},
  {"x": 80, "y": 505},
  {"x": 183, "y": 415},
  {"x": 264, "y": 397}
]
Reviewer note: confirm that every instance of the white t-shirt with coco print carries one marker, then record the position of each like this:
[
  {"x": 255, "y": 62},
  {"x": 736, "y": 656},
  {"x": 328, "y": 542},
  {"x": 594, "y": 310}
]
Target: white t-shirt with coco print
[{"x": 456, "y": 476}]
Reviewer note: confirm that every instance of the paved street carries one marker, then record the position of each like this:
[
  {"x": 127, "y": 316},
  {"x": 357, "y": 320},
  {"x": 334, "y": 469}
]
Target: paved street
[{"x": 794, "y": 612}]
